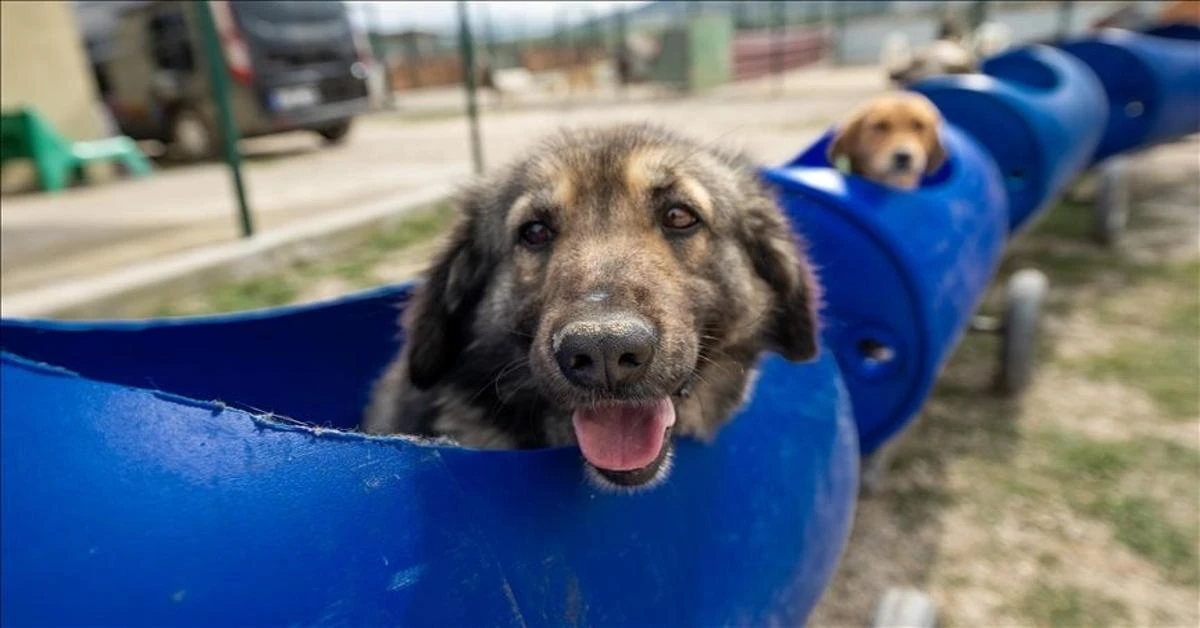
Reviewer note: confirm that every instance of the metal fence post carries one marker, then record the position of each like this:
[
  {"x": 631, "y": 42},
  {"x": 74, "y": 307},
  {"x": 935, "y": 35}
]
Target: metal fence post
[
  {"x": 374, "y": 36},
  {"x": 779, "y": 30},
  {"x": 624, "y": 58},
  {"x": 1066, "y": 10},
  {"x": 218, "y": 76},
  {"x": 978, "y": 14},
  {"x": 839, "y": 31},
  {"x": 467, "y": 51}
]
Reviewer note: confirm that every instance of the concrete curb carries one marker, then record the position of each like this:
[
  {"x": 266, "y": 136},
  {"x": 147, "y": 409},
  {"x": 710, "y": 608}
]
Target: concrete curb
[{"x": 137, "y": 288}]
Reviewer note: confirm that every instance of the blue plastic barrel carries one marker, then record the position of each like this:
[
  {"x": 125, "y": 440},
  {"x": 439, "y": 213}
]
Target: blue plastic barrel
[
  {"x": 902, "y": 272},
  {"x": 1040, "y": 113},
  {"x": 1152, "y": 82},
  {"x": 143, "y": 485}
]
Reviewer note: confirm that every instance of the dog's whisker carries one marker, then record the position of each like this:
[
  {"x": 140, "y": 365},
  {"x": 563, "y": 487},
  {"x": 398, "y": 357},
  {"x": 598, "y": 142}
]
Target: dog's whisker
[{"x": 509, "y": 367}]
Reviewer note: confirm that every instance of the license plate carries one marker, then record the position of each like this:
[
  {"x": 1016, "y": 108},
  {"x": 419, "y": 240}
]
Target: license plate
[{"x": 294, "y": 97}]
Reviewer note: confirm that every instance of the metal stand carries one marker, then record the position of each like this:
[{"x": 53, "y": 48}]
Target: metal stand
[
  {"x": 907, "y": 608},
  {"x": 1017, "y": 330},
  {"x": 1110, "y": 212}
]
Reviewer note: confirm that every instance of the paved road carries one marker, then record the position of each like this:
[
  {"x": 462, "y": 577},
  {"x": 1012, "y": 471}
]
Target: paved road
[{"x": 87, "y": 231}]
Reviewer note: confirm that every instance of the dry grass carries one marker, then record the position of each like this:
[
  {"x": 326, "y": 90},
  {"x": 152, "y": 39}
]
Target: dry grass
[{"x": 389, "y": 256}]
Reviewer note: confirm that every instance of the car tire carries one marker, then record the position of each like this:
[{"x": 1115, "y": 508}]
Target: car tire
[
  {"x": 192, "y": 136},
  {"x": 335, "y": 133}
]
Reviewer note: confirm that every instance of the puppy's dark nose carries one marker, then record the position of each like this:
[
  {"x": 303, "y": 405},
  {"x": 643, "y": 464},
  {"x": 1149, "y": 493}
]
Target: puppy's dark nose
[
  {"x": 902, "y": 160},
  {"x": 605, "y": 353}
]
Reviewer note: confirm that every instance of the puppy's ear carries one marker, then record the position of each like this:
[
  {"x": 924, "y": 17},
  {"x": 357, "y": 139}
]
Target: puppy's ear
[
  {"x": 777, "y": 256},
  {"x": 437, "y": 320},
  {"x": 844, "y": 140},
  {"x": 936, "y": 154}
]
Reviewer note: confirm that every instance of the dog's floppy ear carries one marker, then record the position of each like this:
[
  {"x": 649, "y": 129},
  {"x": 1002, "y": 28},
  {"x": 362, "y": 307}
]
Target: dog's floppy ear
[
  {"x": 437, "y": 320},
  {"x": 844, "y": 139},
  {"x": 936, "y": 154},
  {"x": 777, "y": 256}
]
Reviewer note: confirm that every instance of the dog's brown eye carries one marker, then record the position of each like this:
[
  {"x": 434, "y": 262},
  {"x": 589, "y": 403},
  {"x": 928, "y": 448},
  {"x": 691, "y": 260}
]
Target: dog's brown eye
[
  {"x": 679, "y": 218},
  {"x": 917, "y": 125},
  {"x": 536, "y": 234},
  {"x": 882, "y": 126}
]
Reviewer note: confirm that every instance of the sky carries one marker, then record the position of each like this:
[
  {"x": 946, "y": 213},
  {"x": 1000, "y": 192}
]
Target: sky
[{"x": 508, "y": 17}]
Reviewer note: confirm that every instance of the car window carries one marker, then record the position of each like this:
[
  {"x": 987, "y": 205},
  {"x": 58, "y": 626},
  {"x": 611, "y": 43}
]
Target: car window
[{"x": 170, "y": 41}]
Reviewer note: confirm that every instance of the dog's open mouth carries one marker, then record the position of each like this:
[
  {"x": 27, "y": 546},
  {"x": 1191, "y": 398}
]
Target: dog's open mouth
[{"x": 625, "y": 442}]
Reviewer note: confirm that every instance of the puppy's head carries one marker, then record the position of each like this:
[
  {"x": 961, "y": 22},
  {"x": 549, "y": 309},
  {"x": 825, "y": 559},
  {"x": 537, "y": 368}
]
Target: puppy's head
[
  {"x": 616, "y": 265},
  {"x": 892, "y": 140}
]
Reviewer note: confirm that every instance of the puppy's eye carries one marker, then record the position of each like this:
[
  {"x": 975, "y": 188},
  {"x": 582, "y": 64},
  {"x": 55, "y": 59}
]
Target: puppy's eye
[
  {"x": 918, "y": 126},
  {"x": 680, "y": 218},
  {"x": 883, "y": 126},
  {"x": 536, "y": 234}
]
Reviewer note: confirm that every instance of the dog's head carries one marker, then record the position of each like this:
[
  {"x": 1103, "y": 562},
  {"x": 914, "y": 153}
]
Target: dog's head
[
  {"x": 893, "y": 140},
  {"x": 616, "y": 265}
]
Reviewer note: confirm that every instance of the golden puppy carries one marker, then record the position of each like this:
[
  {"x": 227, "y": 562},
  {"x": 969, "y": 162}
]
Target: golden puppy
[{"x": 892, "y": 140}]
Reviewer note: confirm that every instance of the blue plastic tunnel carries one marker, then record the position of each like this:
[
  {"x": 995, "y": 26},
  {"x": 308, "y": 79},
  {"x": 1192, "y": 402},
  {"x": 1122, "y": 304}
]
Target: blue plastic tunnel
[
  {"x": 1152, "y": 83},
  {"x": 902, "y": 272},
  {"x": 1038, "y": 111},
  {"x": 144, "y": 485}
]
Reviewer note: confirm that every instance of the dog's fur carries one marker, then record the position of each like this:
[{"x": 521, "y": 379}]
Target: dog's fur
[
  {"x": 478, "y": 365},
  {"x": 876, "y": 136}
]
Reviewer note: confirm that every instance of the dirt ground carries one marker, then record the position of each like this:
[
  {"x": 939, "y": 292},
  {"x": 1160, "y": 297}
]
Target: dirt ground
[{"x": 1076, "y": 505}]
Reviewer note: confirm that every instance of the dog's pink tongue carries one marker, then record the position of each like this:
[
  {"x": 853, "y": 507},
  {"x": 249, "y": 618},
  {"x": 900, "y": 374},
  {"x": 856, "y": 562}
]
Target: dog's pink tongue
[{"x": 623, "y": 437}]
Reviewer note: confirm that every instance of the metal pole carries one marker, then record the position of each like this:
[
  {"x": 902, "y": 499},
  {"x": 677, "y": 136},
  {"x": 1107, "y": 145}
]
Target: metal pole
[
  {"x": 978, "y": 15},
  {"x": 219, "y": 78},
  {"x": 624, "y": 58},
  {"x": 374, "y": 34},
  {"x": 562, "y": 40},
  {"x": 489, "y": 37},
  {"x": 839, "y": 32},
  {"x": 578, "y": 43},
  {"x": 1066, "y": 10},
  {"x": 467, "y": 50},
  {"x": 779, "y": 31},
  {"x": 595, "y": 38}
]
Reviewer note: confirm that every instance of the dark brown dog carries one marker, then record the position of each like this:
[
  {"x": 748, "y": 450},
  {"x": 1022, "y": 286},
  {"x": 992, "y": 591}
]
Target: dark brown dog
[
  {"x": 613, "y": 287},
  {"x": 893, "y": 140}
]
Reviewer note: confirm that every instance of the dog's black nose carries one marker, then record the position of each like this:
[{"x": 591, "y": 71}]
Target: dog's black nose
[
  {"x": 605, "y": 353},
  {"x": 902, "y": 160}
]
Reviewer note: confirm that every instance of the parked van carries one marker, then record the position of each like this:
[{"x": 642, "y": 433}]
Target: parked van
[{"x": 293, "y": 65}]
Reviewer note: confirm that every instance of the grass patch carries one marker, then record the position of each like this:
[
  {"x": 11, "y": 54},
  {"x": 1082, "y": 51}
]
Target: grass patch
[
  {"x": 914, "y": 506},
  {"x": 419, "y": 227},
  {"x": 1164, "y": 364},
  {"x": 1171, "y": 456},
  {"x": 1094, "y": 461},
  {"x": 1060, "y": 245},
  {"x": 1167, "y": 369},
  {"x": 1095, "y": 471},
  {"x": 355, "y": 266},
  {"x": 416, "y": 228},
  {"x": 1141, "y": 525},
  {"x": 253, "y": 294},
  {"x": 1050, "y": 605},
  {"x": 1068, "y": 219}
]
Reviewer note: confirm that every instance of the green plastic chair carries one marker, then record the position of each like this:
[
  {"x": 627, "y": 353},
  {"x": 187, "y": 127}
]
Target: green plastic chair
[{"x": 26, "y": 135}]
